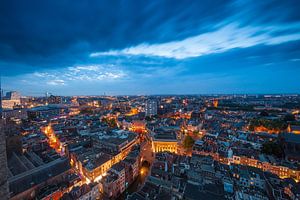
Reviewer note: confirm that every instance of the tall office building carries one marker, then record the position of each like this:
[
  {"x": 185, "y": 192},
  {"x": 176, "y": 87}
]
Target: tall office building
[
  {"x": 11, "y": 99},
  {"x": 151, "y": 108},
  {"x": 13, "y": 95}
]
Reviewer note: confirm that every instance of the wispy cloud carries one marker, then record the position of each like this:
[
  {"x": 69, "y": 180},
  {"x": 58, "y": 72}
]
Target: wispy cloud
[
  {"x": 223, "y": 39},
  {"x": 56, "y": 82},
  {"x": 295, "y": 59},
  {"x": 78, "y": 73},
  {"x": 94, "y": 72}
]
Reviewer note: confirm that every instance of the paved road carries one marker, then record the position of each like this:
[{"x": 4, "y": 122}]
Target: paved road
[{"x": 146, "y": 152}]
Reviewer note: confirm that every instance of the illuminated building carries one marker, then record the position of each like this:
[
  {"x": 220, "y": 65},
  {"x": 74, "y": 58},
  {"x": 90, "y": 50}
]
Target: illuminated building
[
  {"x": 13, "y": 95},
  {"x": 165, "y": 142},
  {"x": 165, "y": 145},
  {"x": 132, "y": 163},
  {"x": 44, "y": 112},
  {"x": 151, "y": 108},
  {"x": 53, "y": 140},
  {"x": 74, "y": 101},
  {"x": 264, "y": 129},
  {"x": 10, "y": 104},
  {"x": 121, "y": 175},
  {"x": 164, "y": 109},
  {"x": 11, "y": 100},
  {"x": 193, "y": 126},
  {"x": 293, "y": 129},
  {"x": 138, "y": 126},
  {"x": 74, "y": 110},
  {"x": 133, "y": 111},
  {"x": 281, "y": 171},
  {"x": 118, "y": 141},
  {"x": 94, "y": 163},
  {"x": 114, "y": 183},
  {"x": 215, "y": 103}
]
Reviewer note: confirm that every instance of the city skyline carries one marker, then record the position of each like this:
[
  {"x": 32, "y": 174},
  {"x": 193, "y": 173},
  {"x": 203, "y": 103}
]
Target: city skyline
[{"x": 148, "y": 48}]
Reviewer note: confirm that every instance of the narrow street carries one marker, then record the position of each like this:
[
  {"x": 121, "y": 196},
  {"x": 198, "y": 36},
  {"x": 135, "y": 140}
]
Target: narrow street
[{"x": 147, "y": 159}]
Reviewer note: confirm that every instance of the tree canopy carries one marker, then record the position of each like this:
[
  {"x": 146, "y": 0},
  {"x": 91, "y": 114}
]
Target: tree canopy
[
  {"x": 276, "y": 125},
  {"x": 272, "y": 148},
  {"x": 188, "y": 142}
]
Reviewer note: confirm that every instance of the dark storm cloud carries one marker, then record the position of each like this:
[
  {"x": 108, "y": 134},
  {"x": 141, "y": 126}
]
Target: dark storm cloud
[
  {"x": 237, "y": 59},
  {"x": 54, "y": 33}
]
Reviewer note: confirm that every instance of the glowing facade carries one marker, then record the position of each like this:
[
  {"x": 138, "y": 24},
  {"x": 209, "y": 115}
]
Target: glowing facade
[
  {"x": 161, "y": 146},
  {"x": 151, "y": 108},
  {"x": 293, "y": 129},
  {"x": 165, "y": 142},
  {"x": 215, "y": 103}
]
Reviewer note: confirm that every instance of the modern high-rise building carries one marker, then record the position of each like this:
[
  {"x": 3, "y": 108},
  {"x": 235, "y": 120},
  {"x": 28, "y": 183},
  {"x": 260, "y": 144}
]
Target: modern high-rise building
[
  {"x": 13, "y": 95},
  {"x": 4, "y": 192},
  {"x": 11, "y": 100},
  {"x": 151, "y": 107}
]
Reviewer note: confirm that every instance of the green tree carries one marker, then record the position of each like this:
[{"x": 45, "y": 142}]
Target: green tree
[
  {"x": 289, "y": 117},
  {"x": 277, "y": 125},
  {"x": 264, "y": 113},
  {"x": 113, "y": 123},
  {"x": 148, "y": 118},
  {"x": 272, "y": 148},
  {"x": 188, "y": 142},
  {"x": 195, "y": 133}
]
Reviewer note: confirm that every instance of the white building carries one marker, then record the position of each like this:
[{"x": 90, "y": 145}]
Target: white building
[
  {"x": 151, "y": 108},
  {"x": 11, "y": 99},
  {"x": 13, "y": 95}
]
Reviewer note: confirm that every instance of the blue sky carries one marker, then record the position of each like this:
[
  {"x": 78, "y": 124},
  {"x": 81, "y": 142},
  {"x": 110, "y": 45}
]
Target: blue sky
[{"x": 150, "y": 47}]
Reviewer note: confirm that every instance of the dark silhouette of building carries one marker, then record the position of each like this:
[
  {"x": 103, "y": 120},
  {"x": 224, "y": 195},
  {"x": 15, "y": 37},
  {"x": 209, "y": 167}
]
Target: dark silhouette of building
[
  {"x": 4, "y": 193},
  {"x": 54, "y": 99}
]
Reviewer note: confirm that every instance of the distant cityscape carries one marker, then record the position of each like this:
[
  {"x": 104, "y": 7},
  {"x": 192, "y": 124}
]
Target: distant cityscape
[
  {"x": 150, "y": 100},
  {"x": 150, "y": 147}
]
